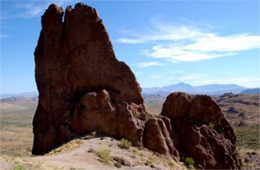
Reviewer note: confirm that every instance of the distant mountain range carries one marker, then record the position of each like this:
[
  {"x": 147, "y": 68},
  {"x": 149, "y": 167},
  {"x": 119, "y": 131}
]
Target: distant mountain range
[
  {"x": 14, "y": 99},
  {"x": 25, "y": 94},
  {"x": 251, "y": 91},
  {"x": 211, "y": 89}
]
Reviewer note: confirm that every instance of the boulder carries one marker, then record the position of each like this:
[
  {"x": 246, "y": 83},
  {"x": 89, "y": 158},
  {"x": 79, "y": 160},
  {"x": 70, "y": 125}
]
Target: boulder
[{"x": 202, "y": 130}]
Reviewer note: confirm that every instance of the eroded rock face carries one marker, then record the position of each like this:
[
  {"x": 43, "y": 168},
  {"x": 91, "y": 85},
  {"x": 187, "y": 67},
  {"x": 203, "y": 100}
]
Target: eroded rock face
[
  {"x": 202, "y": 130},
  {"x": 84, "y": 88}
]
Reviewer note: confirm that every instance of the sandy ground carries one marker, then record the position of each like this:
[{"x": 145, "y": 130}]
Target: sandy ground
[
  {"x": 15, "y": 141},
  {"x": 82, "y": 154},
  {"x": 11, "y": 107}
]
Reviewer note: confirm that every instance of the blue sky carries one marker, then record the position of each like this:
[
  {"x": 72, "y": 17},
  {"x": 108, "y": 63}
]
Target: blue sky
[{"x": 164, "y": 42}]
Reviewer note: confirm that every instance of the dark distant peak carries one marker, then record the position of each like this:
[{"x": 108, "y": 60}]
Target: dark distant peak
[
  {"x": 251, "y": 91},
  {"x": 227, "y": 95},
  {"x": 178, "y": 85},
  {"x": 24, "y": 94},
  {"x": 18, "y": 99},
  {"x": 181, "y": 83}
]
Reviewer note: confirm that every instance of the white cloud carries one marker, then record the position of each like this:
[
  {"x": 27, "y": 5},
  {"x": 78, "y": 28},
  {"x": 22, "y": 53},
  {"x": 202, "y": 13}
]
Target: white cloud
[
  {"x": 148, "y": 64},
  {"x": 35, "y": 11},
  {"x": 231, "y": 43},
  {"x": 36, "y": 8},
  {"x": 184, "y": 43},
  {"x": 155, "y": 76},
  {"x": 130, "y": 41},
  {"x": 165, "y": 32},
  {"x": 31, "y": 9},
  {"x": 175, "y": 53}
]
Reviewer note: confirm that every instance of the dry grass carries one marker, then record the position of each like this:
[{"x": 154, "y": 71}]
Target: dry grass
[
  {"x": 16, "y": 141},
  {"x": 254, "y": 162},
  {"x": 16, "y": 135},
  {"x": 125, "y": 144},
  {"x": 19, "y": 115},
  {"x": 248, "y": 136},
  {"x": 71, "y": 145}
]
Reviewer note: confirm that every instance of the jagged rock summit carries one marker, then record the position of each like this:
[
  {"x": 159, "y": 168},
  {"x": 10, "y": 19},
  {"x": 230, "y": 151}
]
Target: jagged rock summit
[{"x": 84, "y": 88}]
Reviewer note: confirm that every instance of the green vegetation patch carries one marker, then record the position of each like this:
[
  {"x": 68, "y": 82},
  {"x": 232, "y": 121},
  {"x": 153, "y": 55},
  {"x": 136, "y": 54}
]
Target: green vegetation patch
[
  {"x": 189, "y": 161},
  {"x": 19, "y": 167},
  {"x": 248, "y": 136},
  {"x": 125, "y": 144},
  {"x": 104, "y": 156},
  {"x": 117, "y": 164},
  {"x": 170, "y": 164}
]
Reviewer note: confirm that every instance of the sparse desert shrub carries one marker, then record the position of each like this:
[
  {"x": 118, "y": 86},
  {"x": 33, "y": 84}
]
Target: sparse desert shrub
[
  {"x": 189, "y": 161},
  {"x": 125, "y": 144},
  {"x": 170, "y": 164},
  {"x": 133, "y": 156},
  {"x": 91, "y": 150},
  {"x": 141, "y": 154},
  {"x": 19, "y": 167},
  {"x": 117, "y": 164},
  {"x": 149, "y": 162},
  {"x": 73, "y": 144},
  {"x": 135, "y": 151},
  {"x": 104, "y": 156},
  {"x": 211, "y": 125},
  {"x": 151, "y": 158},
  {"x": 138, "y": 115}
]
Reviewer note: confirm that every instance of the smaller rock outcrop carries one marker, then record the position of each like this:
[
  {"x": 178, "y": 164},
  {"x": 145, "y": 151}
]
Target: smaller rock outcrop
[{"x": 202, "y": 130}]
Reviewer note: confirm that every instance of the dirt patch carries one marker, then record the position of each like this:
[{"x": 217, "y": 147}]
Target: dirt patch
[{"x": 82, "y": 154}]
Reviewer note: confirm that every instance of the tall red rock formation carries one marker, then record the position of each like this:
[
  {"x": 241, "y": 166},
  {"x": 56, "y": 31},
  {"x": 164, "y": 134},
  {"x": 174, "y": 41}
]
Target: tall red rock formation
[{"x": 84, "y": 88}]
